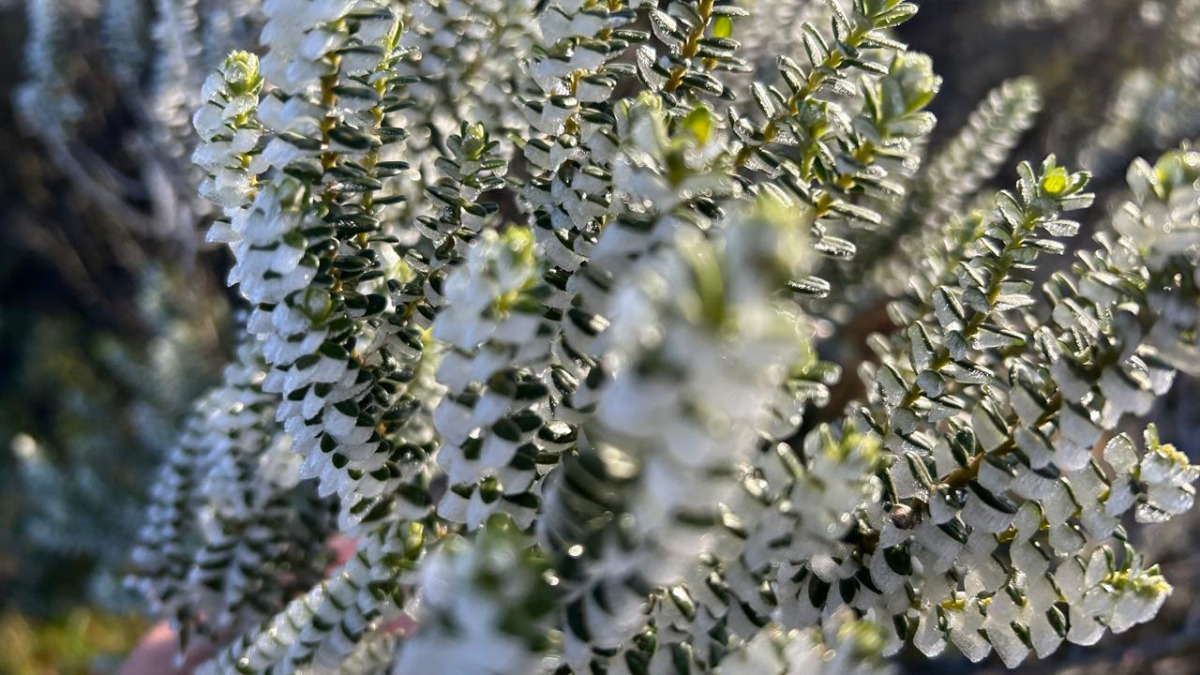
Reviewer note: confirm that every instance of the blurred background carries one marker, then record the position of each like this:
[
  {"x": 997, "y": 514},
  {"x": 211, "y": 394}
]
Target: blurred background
[{"x": 114, "y": 314}]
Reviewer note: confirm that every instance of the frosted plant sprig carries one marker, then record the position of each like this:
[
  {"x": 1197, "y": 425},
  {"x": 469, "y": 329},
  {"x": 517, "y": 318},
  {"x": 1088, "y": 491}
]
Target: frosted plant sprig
[
  {"x": 176, "y": 78},
  {"x": 470, "y": 168},
  {"x": 791, "y": 507},
  {"x": 120, "y": 31},
  {"x": 873, "y": 165},
  {"x": 461, "y": 68},
  {"x": 229, "y": 133},
  {"x": 651, "y": 174},
  {"x": 665, "y": 175},
  {"x": 592, "y": 227},
  {"x": 319, "y": 630},
  {"x": 162, "y": 557},
  {"x": 974, "y": 155},
  {"x": 1113, "y": 305},
  {"x": 45, "y": 100},
  {"x": 320, "y": 267},
  {"x": 1105, "y": 369},
  {"x": 948, "y": 180},
  {"x": 247, "y": 544},
  {"x": 570, "y": 142},
  {"x": 494, "y": 592},
  {"x": 830, "y": 63},
  {"x": 966, "y": 315},
  {"x": 465, "y": 70},
  {"x": 632, "y": 509},
  {"x": 891, "y": 127},
  {"x": 698, "y": 40},
  {"x": 568, "y": 145},
  {"x": 224, "y": 508},
  {"x": 493, "y": 419},
  {"x": 833, "y": 130},
  {"x": 1020, "y": 468},
  {"x": 669, "y": 176}
]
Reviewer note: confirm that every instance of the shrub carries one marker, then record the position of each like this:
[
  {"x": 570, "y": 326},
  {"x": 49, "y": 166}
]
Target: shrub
[{"x": 537, "y": 297}]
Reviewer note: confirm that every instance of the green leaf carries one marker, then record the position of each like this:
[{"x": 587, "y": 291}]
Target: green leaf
[{"x": 722, "y": 27}]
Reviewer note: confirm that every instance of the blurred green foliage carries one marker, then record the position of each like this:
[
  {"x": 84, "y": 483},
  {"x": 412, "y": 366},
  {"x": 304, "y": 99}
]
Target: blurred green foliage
[
  {"x": 74, "y": 643},
  {"x": 84, "y": 416}
]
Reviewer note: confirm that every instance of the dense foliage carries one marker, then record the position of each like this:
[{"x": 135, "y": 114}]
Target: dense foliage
[{"x": 537, "y": 301}]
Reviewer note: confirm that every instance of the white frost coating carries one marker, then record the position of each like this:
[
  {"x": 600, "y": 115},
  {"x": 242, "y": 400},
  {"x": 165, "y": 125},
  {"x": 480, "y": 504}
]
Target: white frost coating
[
  {"x": 496, "y": 335},
  {"x": 638, "y": 319},
  {"x": 484, "y": 595}
]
